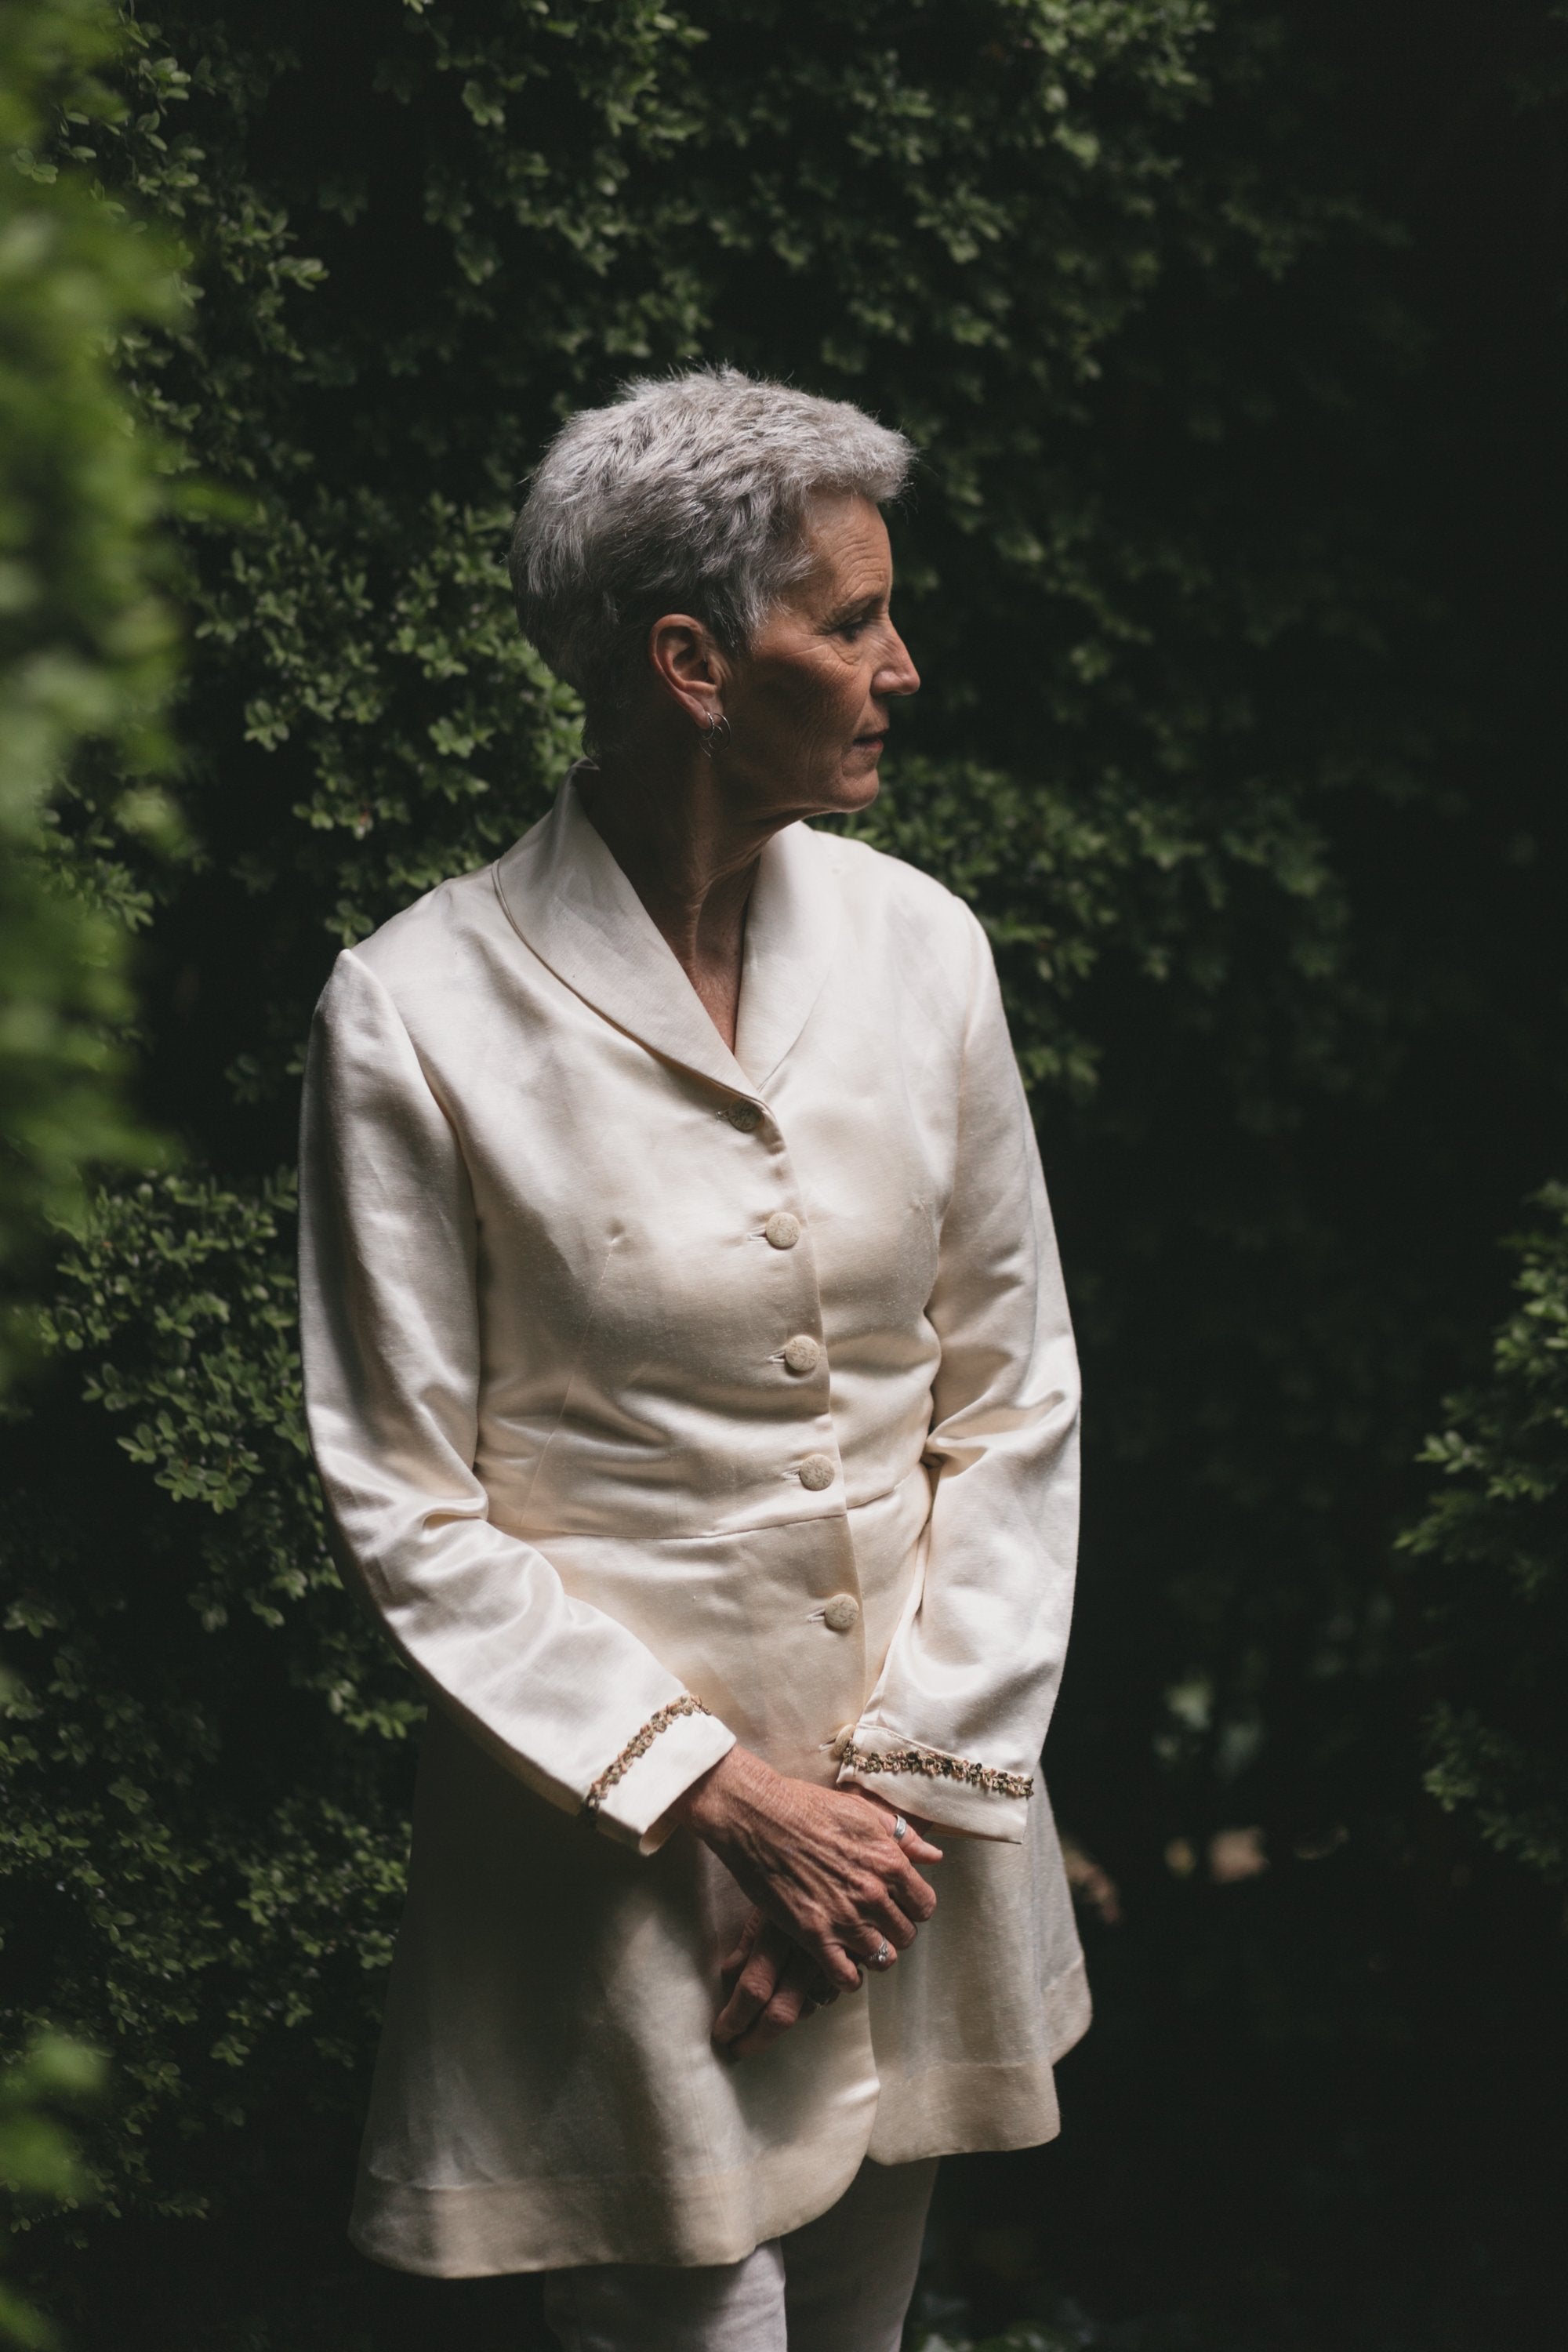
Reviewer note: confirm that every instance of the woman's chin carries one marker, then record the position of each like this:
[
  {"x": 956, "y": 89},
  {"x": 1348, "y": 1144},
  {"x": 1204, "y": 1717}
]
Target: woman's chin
[{"x": 858, "y": 781}]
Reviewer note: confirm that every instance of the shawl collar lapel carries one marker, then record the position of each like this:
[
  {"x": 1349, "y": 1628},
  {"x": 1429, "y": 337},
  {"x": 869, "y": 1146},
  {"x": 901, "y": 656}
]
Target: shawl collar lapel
[
  {"x": 568, "y": 899},
  {"x": 792, "y": 929}
]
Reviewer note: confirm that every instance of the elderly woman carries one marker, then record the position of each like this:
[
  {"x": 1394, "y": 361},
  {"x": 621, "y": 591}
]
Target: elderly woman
[{"x": 692, "y": 1387}]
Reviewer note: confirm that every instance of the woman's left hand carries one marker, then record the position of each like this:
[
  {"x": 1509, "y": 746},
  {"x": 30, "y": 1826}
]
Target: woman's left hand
[{"x": 771, "y": 1985}]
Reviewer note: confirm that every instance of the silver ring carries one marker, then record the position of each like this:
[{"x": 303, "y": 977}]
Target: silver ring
[
  {"x": 900, "y": 1828},
  {"x": 883, "y": 1954}
]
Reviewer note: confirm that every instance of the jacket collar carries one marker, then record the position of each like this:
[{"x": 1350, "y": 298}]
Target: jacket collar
[{"x": 569, "y": 900}]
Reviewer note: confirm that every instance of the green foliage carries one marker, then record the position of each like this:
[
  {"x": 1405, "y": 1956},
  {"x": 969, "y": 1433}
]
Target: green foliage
[
  {"x": 1493, "y": 1546},
  {"x": 84, "y": 639},
  {"x": 38, "y": 2157},
  {"x": 183, "y": 1831},
  {"x": 85, "y": 664}
]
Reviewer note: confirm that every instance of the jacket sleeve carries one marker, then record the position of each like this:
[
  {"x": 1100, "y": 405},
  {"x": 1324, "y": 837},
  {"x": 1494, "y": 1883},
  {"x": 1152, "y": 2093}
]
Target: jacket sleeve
[
  {"x": 565, "y": 1697},
  {"x": 955, "y": 1728}
]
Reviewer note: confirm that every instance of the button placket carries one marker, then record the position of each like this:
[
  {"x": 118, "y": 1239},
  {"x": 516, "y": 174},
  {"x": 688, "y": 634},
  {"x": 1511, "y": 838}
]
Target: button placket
[{"x": 802, "y": 1353}]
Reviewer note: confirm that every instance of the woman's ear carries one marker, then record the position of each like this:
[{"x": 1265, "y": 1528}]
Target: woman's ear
[{"x": 689, "y": 667}]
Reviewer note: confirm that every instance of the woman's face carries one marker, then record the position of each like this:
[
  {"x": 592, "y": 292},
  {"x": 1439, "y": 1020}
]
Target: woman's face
[{"x": 807, "y": 702}]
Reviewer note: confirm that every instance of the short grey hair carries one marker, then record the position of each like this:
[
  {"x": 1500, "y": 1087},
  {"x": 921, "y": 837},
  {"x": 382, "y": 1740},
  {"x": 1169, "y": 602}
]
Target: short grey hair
[{"x": 689, "y": 493}]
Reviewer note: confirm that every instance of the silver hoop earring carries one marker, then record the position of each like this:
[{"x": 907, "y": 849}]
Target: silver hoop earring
[{"x": 717, "y": 731}]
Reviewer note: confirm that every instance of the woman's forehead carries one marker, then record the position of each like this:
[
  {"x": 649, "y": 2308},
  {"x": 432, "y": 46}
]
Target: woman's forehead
[{"x": 850, "y": 552}]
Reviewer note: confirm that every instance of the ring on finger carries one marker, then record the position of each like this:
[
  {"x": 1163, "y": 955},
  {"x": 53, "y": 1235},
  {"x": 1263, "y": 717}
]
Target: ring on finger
[
  {"x": 900, "y": 1828},
  {"x": 882, "y": 1957}
]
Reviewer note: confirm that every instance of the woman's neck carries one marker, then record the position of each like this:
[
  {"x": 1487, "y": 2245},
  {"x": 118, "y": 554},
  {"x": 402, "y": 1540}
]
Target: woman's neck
[{"x": 690, "y": 861}]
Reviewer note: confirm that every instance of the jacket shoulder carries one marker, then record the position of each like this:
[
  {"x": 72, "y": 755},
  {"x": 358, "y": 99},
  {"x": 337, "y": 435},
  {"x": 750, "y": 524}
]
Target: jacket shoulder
[
  {"x": 426, "y": 962},
  {"x": 454, "y": 908},
  {"x": 878, "y": 884}
]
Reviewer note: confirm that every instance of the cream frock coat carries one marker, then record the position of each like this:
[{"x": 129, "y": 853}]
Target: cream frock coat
[{"x": 664, "y": 1398}]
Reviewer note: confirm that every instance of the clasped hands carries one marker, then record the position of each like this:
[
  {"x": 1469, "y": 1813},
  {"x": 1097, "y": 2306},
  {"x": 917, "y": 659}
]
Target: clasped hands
[{"x": 833, "y": 1890}]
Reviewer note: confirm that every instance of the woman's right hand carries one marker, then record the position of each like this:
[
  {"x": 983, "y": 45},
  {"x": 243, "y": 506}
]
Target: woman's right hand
[
  {"x": 823, "y": 1863},
  {"x": 769, "y": 1985}
]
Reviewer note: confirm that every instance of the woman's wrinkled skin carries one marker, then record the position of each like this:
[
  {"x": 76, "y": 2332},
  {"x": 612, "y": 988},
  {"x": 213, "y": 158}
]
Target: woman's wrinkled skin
[
  {"x": 830, "y": 1884},
  {"x": 687, "y": 803}
]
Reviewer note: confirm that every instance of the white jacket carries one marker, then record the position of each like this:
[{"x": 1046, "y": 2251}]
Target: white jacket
[{"x": 663, "y": 1398}]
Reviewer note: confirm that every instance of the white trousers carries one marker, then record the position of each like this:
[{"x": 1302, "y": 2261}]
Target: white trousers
[{"x": 842, "y": 2284}]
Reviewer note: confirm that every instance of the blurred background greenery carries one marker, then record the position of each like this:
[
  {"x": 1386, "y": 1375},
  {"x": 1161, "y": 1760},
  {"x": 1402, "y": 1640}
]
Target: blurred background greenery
[{"x": 1234, "y": 340}]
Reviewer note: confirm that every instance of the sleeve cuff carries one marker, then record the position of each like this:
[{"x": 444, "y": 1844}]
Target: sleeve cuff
[
  {"x": 631, "y": 1800},
  {"x": 952, "y": 1792}
]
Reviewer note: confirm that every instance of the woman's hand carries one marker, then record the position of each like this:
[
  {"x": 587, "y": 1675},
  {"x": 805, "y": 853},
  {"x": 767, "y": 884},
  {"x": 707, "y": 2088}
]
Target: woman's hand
[
  {"x": 769, "y": 1985},
  {"x": 821, "y": 1863}
]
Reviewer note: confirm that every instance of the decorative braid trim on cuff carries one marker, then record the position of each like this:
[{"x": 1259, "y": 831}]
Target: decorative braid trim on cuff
[
  {"x": 930, "y": 1766},
  {"x": 640, "y": 1746}
]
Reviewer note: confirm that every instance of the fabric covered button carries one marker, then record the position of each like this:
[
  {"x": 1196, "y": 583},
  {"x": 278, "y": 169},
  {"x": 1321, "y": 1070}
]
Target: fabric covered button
[
  {"x": 743, "y": 1115},
  {"x": 782, "y": 1230},
  {"x": 802, "y": 1352},
  {"x": 842, "y": 1613},
  {"x": 816, "y": 1472}
]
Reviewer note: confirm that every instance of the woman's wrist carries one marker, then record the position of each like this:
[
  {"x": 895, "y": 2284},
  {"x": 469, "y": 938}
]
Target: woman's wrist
[{"x": 711, "y": 1806}]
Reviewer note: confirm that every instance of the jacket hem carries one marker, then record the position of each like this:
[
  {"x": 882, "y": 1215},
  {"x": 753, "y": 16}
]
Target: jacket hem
[{"x": 544, "y": 2225}]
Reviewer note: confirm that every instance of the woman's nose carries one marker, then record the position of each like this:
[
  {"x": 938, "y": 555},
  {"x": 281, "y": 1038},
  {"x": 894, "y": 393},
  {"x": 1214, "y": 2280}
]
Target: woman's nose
[{"x": 897, "y": 674}]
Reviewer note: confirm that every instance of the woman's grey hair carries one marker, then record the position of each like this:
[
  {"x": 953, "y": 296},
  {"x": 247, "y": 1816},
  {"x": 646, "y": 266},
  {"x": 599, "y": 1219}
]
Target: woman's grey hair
[{"x": 689, "y": 493}]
